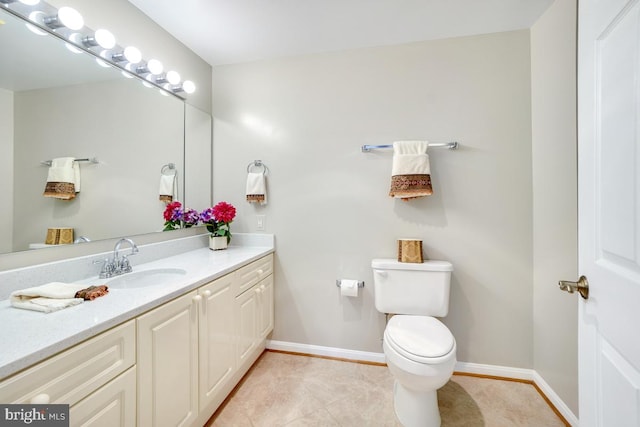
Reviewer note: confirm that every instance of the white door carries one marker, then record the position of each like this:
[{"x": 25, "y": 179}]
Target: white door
[{"x": 609, "y": 211}]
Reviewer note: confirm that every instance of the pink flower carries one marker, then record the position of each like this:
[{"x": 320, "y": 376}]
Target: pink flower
[{"x": 224, "y": 212}]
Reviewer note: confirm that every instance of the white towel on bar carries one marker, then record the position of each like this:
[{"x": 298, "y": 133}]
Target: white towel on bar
[
  {"x": 63, "y": 179},
  {"x": 167, "y": 187},
  {"x": 411, "y": 171},
  {"x": 256, "y": 188},
  {"x": 48, "y": 297}
]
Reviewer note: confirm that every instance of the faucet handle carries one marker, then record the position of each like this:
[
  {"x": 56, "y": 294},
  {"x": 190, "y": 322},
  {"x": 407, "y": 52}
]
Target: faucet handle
[
  {"x": 107, "y": 268},
  {"x": 125, "y": 265}
]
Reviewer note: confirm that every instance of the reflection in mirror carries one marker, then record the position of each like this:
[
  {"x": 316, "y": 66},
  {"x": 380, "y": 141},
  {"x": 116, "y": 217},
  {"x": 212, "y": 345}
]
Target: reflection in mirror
[{"x": 54, "y": 103}]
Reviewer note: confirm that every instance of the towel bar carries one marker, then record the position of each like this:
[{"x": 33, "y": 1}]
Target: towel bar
[
  {"x": 92, "y": 160},
  {"x": 449, "y": 145}
]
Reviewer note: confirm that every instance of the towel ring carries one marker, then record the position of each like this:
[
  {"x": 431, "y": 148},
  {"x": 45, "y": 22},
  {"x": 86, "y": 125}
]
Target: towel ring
[
  {"x": 258, "y": 164},
  {"x": 168, "y": 166}
]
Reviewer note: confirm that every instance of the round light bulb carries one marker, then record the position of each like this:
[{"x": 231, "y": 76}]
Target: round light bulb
[
  {"x": 132, "y": 54},
  {"x": 70, "y": 18},
  {"x": 105, "y": 39},
  {"x": 188, "y": 86},
  {"x": 72, "y": 48},
  {"x": 102, "y": 63},
  {"x": 30, "y": 2},
  {"x": 173, "y": 77},
  {"x": 154, "y": 66}
]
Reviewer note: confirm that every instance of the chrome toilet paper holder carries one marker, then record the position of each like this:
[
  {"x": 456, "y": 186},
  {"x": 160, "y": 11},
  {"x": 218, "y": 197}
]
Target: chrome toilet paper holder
[{"x": 339, "y": 283}]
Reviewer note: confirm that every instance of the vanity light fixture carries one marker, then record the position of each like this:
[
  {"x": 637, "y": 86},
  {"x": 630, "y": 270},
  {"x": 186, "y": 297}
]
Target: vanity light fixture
[
  {"x": 153, "y": 66},
  {"x": 27, "y": 2},
  {"x": 130, "y": 54},
  {"x": 66, "y": 17},
  {"x": 102, "y": 38},
  {"x": 67, "y": 24},
  {"x": 187, "y": 87}
]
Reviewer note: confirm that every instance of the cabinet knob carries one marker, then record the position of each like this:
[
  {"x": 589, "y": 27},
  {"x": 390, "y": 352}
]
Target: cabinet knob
[
  {"x": 40, "y": 399},
  {"x": 197, "y": 298},
  {"x": 207, "y": 293},
  {"x": 260, "y": 271},
  {"x": 258, "y": 290},
  {"x": 262, "y": 287}
]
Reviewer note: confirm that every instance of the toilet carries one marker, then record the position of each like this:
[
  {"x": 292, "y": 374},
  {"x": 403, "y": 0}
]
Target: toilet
[{"x": 419, "y": 349}]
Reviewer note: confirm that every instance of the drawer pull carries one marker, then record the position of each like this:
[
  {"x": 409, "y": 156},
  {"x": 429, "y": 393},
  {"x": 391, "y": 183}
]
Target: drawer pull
[
  {"x": 207, "y": 293},
  {"x": 197, "y": 298},
  {"x": 40, "y": 399},
  {"x": 258, "y": 290}
]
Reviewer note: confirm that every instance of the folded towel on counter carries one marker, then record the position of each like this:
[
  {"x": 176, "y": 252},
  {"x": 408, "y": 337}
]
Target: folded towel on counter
[
  {"x": 256, "y": 188},
  {"x": 63, "y": 179},
  {"x": 92, "y": 292},
  {"x": 54, "y": 296},
  {"x": 411, "y": 173},
  {"x": 167, "y": 187}
]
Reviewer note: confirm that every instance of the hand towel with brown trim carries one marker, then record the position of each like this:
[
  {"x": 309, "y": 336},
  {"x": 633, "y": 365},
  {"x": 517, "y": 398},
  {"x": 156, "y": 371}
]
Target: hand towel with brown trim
[
  {"x": 256, "y": 190},
  {"x": 63, "y": 179},
  {"x": 411, "y": 172}
]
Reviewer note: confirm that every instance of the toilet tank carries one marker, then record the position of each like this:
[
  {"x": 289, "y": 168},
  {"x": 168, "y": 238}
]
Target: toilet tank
[{"x": 412, "y": 288}]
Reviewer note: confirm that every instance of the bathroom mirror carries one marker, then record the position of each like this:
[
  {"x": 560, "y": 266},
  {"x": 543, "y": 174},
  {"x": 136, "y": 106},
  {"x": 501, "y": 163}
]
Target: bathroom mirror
[{"x": 56, "y": 103}]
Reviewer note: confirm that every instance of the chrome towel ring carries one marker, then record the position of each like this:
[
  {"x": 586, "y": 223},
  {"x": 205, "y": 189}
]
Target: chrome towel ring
[{"x": 257, "y": 164}]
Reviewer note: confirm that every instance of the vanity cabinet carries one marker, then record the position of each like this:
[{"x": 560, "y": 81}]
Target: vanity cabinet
[
  {"x": 168, "y": 363},
  {"x": 171, "y": 366},
  {"x": 194, "y": 349},
  {"x": 96, "y": 378}
]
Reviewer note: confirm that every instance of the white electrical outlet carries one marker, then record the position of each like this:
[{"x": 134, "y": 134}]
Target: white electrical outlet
[{"x": 260, "y": 222}]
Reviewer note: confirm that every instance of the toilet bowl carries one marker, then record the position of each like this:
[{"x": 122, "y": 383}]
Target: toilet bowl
[
  {"x": 419, "y": 349},
  {"x": 421, "y": 355}
]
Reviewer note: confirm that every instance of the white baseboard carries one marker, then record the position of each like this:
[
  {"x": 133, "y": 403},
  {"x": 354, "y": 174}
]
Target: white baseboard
[
  {"x": 318, "y": 350},
  {"x": 555, "y": 400},
  {"x": 463, "y": 367},
  {"x": 495, "y": 370}
]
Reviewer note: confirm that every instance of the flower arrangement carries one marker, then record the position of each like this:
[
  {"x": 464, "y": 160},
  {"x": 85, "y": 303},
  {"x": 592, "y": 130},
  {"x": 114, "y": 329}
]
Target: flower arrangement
[
  {"x": 218, "y": 219},
  {"x": 176, "y": 217}
]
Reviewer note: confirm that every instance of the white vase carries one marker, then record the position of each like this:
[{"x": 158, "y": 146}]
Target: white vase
[{"x": 217, "y": 243}]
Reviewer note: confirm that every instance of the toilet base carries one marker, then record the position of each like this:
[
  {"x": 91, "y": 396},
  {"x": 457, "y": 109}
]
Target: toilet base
[{"x": 416, "y": 409}]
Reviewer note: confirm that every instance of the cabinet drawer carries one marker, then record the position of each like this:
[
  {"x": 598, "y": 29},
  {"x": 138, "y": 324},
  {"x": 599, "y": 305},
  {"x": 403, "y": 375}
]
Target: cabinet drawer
[
  {"x": 75, "y": 373},
  {"x": 251, "y": 274}
]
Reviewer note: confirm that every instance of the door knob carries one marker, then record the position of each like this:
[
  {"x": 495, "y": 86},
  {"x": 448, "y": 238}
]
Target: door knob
[{"x": 582, "y": 286}]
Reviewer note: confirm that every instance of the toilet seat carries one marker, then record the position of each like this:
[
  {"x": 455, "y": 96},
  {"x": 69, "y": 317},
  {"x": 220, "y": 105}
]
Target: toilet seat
[{"x": 422, "y": 339}]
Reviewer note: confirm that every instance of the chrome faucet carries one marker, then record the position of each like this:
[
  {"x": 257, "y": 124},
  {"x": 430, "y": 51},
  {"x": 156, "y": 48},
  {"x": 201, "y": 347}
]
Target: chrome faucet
[
  {"x": 117, "y": 264},
  {"x": 82, "y": 239}
]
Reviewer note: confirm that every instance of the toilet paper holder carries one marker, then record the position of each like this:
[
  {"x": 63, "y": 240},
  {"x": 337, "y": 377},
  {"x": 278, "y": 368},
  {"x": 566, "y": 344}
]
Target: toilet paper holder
[{"x": 339, "y": 283}]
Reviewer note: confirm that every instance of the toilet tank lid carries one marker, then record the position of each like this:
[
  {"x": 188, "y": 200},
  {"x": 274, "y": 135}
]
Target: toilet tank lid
[{"x": 429, "y": 265}]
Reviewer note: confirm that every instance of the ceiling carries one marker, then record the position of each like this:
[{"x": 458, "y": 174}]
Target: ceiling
[{"x": 233, "y": 31}]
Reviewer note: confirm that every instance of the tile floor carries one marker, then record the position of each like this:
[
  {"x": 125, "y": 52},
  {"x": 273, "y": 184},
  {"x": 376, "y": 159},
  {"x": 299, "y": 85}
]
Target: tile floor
[{"x": 293, "y": 391}]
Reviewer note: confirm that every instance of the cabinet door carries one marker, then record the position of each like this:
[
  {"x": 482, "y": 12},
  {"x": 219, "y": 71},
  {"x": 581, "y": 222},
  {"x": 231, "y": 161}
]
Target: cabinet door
[
  {"x": 168, "y": 363},
  {"x": 216, "y": 331},
  {"x": 246, "y": 324},
  {"x": 265, "y": 305},
  {"x": 113, "y": 405}
]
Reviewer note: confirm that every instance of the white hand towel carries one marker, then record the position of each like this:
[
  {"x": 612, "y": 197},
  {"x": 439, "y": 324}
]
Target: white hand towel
[
  {"x": 167, "y": 187},
  {"x": 63, "y": 179},
  {"x": 411, "y": 172},
  {"x": 48, "y": 297},
  {"x": 256, "y": 188}
]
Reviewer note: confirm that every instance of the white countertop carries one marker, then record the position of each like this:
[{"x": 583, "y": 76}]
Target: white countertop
[{"x": 29, "y": 337}]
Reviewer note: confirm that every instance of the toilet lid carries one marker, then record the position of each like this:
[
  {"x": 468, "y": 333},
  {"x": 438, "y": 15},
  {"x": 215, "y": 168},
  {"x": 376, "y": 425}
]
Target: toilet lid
[{"x": 419, "y": 337}]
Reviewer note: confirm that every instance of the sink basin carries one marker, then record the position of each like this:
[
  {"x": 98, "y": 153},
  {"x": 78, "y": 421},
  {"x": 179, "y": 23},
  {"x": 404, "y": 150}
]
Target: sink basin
[{"x": 142, "y": 279}]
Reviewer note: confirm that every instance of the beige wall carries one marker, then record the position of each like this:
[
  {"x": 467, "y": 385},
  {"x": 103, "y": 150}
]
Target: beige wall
[
  {"x": 307, "y": 117},
  {"x": 553, "y": 87},
  {"x": 6, "y": 169}
]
